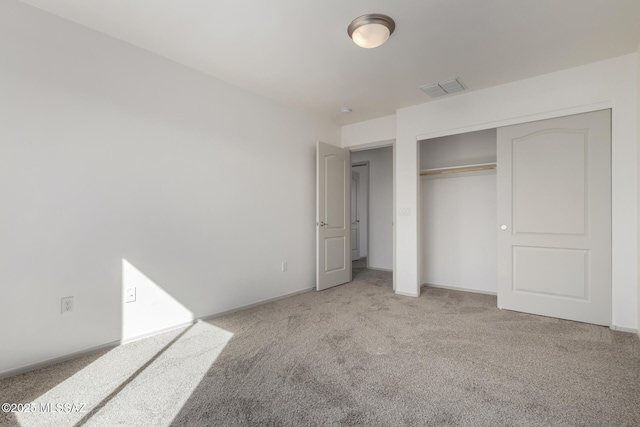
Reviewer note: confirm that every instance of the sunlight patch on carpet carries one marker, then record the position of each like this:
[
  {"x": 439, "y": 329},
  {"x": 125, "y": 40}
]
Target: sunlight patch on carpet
[{"x": 145, "y": 382}]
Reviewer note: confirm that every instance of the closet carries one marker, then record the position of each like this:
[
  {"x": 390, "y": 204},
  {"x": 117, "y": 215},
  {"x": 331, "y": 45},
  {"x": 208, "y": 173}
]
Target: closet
[
  {"x": 524, "y": 212},
  {"x": 458, "y": 197}
]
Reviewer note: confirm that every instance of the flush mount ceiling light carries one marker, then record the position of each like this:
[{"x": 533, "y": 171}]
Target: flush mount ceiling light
[{"x": 371, "y": 30}]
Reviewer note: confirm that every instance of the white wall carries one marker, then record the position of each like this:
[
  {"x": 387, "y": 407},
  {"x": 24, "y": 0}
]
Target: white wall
[
  {"x": 605, "y": 84},
  {"x": 459, "y": 213},
  {"x": 459, "y": 150},
  {"x": 362, "y": 201},
  {"x": 459, "y": 240},
  {"x": 110, "y": 154},
  {"x": 380, "y": 205},
  {"x": 369, "y": 132}
]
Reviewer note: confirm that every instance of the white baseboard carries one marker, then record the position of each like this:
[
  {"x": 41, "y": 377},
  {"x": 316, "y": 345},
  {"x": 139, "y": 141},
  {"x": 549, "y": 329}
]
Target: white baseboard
[
  {"x": 157, "y": 332},
  {"x": 625, "y": 329},
  {"x": 379, "y": 269},
  {"x": 407, "y": 294},
  {"x": 113, "y": 344},
  {"x": 457, "y": 288},
  {"x": 255, "y": 304},
  {"x": 47, "y": 362}
]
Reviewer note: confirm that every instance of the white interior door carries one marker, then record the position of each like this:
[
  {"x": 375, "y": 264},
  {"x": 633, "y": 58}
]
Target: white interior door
[
  {"x": 355, "y": 222},
  {"x": 554, "y": 217},
  {"x": 333, "y": 238}
]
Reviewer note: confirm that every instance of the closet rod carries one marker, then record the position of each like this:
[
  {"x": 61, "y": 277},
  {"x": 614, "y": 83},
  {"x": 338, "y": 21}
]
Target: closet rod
[{"x": 458, "y": 169}]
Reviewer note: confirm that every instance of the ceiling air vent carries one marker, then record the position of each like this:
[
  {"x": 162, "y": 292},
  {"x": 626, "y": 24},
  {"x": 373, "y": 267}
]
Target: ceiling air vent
[{"x": 444, "y": 87}]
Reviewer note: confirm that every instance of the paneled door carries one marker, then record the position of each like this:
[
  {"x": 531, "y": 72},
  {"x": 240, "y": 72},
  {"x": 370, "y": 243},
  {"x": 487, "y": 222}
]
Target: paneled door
[
  {"x": 333, "y": 240},
  {"x": 355, "y": 222},
  {"x": 554, "y": 217}
]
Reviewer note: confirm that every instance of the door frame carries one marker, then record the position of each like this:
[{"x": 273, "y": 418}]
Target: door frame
[
  {"x": 355, "y": 176},
  {"x": 366, "y": 207},
  {"x": 372, "y": 146}
]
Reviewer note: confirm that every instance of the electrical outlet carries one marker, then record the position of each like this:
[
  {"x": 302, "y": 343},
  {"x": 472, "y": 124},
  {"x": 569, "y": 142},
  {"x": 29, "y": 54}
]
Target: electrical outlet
[
  {"x": 130, "y": 295},
  {"x": 66, "y": 305},
  {"x": 284, "y": 266}
]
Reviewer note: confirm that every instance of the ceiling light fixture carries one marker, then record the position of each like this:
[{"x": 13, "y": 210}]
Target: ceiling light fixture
[{"x": 371, "y": 30}]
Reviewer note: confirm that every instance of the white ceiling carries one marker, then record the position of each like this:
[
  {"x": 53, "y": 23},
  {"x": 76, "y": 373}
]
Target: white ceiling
[{"x": 298, "y": 51}]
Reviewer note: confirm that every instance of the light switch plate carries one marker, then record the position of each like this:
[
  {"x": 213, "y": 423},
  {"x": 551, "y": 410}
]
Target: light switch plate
[{"x": 130, "y": 295}]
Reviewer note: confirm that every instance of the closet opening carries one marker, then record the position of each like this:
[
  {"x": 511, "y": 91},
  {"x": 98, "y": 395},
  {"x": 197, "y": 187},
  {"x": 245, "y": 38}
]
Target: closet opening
[
  {"x": 522, "y": 211},
  {"x": 458, "y": 204}
]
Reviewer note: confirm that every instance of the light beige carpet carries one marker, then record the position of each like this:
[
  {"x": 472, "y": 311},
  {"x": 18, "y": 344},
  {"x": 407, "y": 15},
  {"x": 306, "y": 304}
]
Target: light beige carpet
[{"x": 353, "y": 355}]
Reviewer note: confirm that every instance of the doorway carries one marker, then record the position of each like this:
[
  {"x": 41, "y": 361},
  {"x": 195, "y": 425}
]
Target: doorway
[
  {"x": 372, "y": 209},
  {"x": 370, "y": 224},
  {"x": 359, "y": 213}
]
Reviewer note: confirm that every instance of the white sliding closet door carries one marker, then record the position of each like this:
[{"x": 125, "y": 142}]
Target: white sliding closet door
[{"x": 554, "y": 217}]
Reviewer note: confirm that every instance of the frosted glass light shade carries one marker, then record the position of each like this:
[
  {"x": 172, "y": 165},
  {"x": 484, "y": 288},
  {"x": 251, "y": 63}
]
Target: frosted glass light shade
[
  {"x": 370, "y": 36},
  {"x": 372, "y": 30}
]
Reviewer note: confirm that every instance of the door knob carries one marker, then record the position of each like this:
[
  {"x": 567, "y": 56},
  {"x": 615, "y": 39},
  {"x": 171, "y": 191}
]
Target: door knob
[{"x": 503, "y": 227}]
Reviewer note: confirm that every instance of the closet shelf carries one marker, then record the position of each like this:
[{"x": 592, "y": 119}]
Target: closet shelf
[{"x": 458, "y": 169}]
